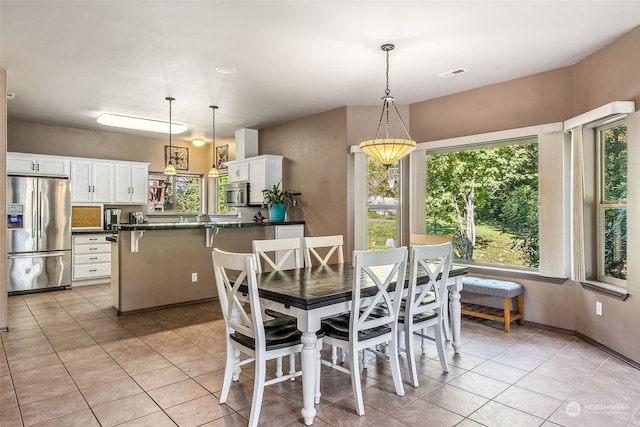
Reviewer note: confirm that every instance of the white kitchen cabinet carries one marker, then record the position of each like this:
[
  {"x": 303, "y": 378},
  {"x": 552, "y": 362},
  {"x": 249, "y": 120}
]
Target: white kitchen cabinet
[
  {"x": 131, "y": 181},
  {"x": 91, "y": 259},
  {"x": 239, "y": 171},
  {"x": 260, "y": 172},
  {"x": 91, "y": 181},
  {"x": 37, "y": 164}
]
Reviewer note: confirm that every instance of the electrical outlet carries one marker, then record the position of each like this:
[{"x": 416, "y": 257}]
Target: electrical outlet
[
  {"x": 194, "y": 277},
  {"x": 598, "y": 308}
]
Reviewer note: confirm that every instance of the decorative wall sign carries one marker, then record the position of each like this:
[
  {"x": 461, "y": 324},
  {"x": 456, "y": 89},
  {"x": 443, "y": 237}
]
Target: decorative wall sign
[
  {"x": 179, "y": 156},
  {"x": 222, "y": 156}
]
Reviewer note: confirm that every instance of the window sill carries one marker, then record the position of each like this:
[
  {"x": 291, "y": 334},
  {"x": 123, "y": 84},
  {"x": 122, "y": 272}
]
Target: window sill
[
  {"x": 513, "y": 273},
  {"x": 617, "y": 292}
]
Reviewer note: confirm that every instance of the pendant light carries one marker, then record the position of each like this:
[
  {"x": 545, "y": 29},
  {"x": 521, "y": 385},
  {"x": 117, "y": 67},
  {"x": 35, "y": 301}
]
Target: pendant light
[
  {"x": 170, "y": 169},
  {"x": 387, "y": 151},
  {"x": 213, "y": 172}
]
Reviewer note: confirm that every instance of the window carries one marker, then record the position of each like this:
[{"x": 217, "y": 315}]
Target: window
[
  {"x": 487, "y": 198},
  {"x": 179, "y": 194},
  {"x": 220, "y": 207},
  {"x": 382, "y": 204},
  {"x": 612, "y": 207}
]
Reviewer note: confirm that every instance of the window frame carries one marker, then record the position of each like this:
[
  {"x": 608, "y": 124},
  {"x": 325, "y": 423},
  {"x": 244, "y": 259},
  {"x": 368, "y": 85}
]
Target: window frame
[{"x": 603, "y": 204}]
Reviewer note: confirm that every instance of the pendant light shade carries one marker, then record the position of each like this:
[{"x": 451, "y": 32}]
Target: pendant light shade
[
  {"x": 213, "y": 172},
  {"x": 170, "y": 169},
  {"x": 387, "y": 151}
]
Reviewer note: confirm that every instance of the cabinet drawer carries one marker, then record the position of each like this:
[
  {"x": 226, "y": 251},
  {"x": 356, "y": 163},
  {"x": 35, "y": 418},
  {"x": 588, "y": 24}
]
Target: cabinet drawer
[
  {"x": 88, "y": 271},
  {"x": 92, "y": 258},
  {"x": 82, "y": 239},
  {"x": 92, "y": 249}
]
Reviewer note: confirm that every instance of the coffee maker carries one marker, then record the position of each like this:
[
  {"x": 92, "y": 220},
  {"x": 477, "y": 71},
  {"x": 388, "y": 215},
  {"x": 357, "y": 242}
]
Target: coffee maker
[
  {"x": 136, "y": 217},
  {"x": 112, "y": 218}
]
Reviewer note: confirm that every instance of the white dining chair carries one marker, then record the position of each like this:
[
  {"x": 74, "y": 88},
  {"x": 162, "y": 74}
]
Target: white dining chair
[
  {"x": 278, "y": 254},
  {"x": 320, "y": 249},
  {"x": 424, "y": 308},
  {"x": 373, "y": 319},
  {"x": 431, "y": 239},
  {"x": 246, "y": 333}
]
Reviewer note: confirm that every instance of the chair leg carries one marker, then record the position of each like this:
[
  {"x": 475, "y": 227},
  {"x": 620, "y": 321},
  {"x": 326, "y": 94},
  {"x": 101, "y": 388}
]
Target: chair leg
[
  {"x": 292, "y": 366},
  {"x": 258, "y": 392},
  {"x": 237, "y": 370},
  {"x": 411, "y": 356},
  {"x": 355, "y": 381},
  {"x": 395, "y": 365},
  {"x": 440, "y": 346},
  {"x": 520, "y": 300},
  {"x": 445, "y": 321},
  {"x": 507, "y": 314},
  {"x": 423, "y": 340},
  {"x": 279, "y": 367},
  {"x": 334, "y": 354},
  {"x": 228, "y": 372}
]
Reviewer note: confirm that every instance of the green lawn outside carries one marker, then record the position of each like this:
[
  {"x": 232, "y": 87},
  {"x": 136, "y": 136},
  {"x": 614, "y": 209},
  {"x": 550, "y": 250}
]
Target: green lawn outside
[{"x": 492, "y": 246}]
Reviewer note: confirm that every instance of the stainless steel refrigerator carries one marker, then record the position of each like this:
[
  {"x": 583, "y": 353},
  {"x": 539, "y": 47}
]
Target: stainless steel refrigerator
[{"x": 38, "y": 233}]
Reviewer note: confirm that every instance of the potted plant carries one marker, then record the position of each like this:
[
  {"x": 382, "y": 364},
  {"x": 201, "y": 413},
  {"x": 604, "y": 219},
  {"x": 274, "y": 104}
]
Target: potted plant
[{"x": 277, "y": 201}]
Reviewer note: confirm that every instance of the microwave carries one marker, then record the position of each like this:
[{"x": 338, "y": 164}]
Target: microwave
[{"x": 236, "y": 194}]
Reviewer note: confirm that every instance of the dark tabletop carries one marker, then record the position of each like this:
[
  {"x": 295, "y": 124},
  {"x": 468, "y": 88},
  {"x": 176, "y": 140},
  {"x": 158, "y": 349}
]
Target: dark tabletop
[{"x": 315, "y": 287}]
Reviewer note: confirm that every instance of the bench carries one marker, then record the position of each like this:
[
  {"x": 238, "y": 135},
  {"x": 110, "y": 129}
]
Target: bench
[{"x": 494, "y": 288}]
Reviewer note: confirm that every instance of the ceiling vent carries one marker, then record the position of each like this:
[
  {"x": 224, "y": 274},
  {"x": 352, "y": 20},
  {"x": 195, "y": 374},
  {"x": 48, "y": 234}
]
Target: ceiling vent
[
  {"x": 452, "y": 73},
  {"x": 11, "y": 95}
]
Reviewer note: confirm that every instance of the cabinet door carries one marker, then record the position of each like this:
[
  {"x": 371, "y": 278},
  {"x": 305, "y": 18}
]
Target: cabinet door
[
  {"x": 80, "y": 181},
  {"x": 17, "y": 163},
  {"x": 139, "y": 182},
  {"x": 53, "y": 166},
  {"x": 239, "y": 172},
  {"x": 257, "y": 171},
  {"x": 102, "y": 182},
  {"x": 122, "y": 188}
]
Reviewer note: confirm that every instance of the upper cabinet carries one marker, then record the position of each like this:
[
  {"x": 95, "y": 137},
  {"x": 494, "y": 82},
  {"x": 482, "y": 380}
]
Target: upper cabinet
[
  {"x": 37, "y": 164},
  {"x": 91, "y": 181},
  {"x": 131, "y": 180},
  {"x": 260, "y": 172}
]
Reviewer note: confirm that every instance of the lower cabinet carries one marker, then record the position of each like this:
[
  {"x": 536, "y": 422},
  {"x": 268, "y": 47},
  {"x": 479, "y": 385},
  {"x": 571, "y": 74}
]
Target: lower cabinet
[{"x": 91, "y": 259}]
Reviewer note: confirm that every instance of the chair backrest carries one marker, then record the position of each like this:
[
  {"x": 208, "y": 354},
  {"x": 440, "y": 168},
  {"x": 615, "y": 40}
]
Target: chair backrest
[
  {"x": 329, "y": 244},
  {"x": 230, "y": 271},
  {"x": 282, "y": 252},
  {"x": 430, "y": 263},
  {"x": 385, "y": 269}
]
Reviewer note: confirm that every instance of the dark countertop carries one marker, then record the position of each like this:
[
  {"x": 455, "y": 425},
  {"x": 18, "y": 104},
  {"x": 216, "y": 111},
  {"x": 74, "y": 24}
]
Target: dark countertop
[
  {"x": 203, "y": 225},
  {"x": 93, "y": 231}
]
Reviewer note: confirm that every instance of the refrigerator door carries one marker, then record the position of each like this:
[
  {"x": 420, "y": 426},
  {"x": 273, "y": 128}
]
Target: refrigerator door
[
  {"x": 28, "y": 272},
  {"x": 54, "y": 209},
  {"x": 22, "y": 219}
]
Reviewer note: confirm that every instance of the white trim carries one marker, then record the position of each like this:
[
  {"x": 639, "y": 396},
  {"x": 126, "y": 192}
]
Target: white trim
[
  {"x": 360, "y": 238},
  {"x": 417, "y": 191},
  {"x": 599, "y": 116}
]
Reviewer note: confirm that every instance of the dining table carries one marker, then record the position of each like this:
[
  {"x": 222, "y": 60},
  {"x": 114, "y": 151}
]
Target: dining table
[{"x": 313, "y": 293}]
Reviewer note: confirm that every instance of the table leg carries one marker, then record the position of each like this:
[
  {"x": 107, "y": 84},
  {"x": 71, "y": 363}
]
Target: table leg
[
  {"x": 456, "y": 315},
  {"x": 308, "y": 359}
]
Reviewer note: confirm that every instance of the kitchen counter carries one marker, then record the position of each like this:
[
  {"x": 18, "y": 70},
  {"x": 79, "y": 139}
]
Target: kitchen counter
[
  {"x": 203, "y": 225},
  {"x": 98, "y": 231}
]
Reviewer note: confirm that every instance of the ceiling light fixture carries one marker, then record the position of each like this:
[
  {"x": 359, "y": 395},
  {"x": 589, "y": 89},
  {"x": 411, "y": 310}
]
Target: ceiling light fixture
[
  {"x": 387, "y": 151},
  {"x": 170, "y": 169},
  {"x": 198, "y": 142},
  {"x": 138, "y": 123},
  {"x": 225, "y": 69},
  {"x": 213, "y": 172}
]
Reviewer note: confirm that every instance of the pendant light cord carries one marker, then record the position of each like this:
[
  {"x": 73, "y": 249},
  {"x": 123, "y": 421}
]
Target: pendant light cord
[{"x": 170, "y": 99}]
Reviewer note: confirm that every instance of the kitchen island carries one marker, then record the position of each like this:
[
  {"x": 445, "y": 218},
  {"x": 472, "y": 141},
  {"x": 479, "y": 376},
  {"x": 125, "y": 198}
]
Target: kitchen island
[{"x": 161, "y": 264}]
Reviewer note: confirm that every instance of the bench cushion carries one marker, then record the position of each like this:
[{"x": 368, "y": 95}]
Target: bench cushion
[{"x": 491, "y": 287}]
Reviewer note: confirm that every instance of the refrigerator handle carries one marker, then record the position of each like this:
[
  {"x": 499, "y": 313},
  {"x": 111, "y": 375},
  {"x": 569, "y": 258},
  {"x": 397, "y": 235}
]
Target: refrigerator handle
[{"x": 40, "y": 225}]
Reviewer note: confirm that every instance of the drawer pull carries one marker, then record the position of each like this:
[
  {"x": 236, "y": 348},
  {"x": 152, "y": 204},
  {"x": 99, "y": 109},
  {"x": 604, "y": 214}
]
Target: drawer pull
[
  {"x": 93, "y": 249},
  {"x": 92, "y": 270},
  {"x": 93, "y": 238},
  {"x": 93, "y": 258}
]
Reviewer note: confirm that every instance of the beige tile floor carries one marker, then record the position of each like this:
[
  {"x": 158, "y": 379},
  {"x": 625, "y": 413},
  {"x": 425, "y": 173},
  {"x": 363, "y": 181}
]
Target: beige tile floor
[{"x": 68, "y": 360}]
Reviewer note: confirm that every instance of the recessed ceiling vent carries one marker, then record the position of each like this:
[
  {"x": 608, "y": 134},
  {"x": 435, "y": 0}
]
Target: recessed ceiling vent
[{"x": 452, "y": 73}]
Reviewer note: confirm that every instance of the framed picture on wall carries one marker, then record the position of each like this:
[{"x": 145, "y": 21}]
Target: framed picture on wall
[
  {"x": 222, "y": 156},
  {"x": 179, "y": 156}
]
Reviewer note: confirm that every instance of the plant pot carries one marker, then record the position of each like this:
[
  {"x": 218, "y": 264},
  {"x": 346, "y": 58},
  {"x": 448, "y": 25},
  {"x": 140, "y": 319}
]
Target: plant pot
[{"x": 277, "y": 211}]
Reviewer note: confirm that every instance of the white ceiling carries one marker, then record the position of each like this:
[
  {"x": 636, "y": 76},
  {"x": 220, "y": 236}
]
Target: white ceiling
[{"x": 69, "y": 61}]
